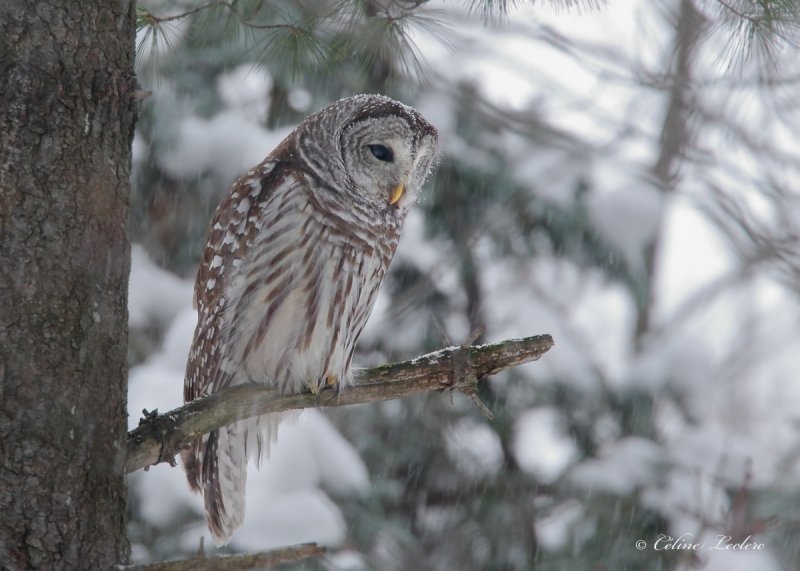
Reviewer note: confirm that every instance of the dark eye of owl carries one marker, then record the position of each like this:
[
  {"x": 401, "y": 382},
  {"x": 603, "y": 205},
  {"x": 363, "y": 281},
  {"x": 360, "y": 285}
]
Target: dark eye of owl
[{"x": 382, "y": 153}]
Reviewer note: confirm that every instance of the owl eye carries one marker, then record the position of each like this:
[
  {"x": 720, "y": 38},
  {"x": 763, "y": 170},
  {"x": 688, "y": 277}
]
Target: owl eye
[{"x": 382, "y": 153}]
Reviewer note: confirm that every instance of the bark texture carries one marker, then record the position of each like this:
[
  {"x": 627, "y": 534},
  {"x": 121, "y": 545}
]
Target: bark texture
[
  {"x": 66, "y": 123},
  {"x": 160, "y": 437},
  {"x": 257, "y": 560}
]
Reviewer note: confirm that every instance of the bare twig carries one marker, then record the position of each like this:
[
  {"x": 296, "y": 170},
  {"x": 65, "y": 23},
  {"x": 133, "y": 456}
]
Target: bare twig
[
  {"x": 160, "y": 437},
  {"x": 255, "y": 560},
  {"x": 151, "y": 19}
]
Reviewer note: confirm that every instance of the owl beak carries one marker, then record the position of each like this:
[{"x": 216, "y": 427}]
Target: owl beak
[{"x": 396, "y": 194}]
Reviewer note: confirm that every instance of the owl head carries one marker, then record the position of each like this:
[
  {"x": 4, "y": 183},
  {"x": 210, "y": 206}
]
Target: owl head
[{"x": 371, "y": 147}]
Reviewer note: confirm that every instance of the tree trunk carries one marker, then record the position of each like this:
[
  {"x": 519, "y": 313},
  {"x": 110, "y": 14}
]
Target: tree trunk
[{"x": 66, "y": 123}]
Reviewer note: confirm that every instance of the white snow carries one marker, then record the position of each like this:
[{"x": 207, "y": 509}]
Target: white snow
[
  {"x": 139, "y": 149},
  {"x": 155, "y": 296},
  {"x": 555, "y": 528},
  {"x": 621, "y": 467},
  {"x": 226, "y": 145},
  {"x": 345, "y": 560},
  {"x": 158, "y": 382},
  {"x": 289, "y": 518},
  {"x": 719, "y": 559},
  {"x": 540, "y": 444},
  {"x": 300, "y": 99},
  {"x": 628, "y": 215},
  {"x": 246, "y": 89},
  {"x": 287, "y": 498},
  {"x": 693, "y": 255},
  {"x": 475, "y": 448},
  {"x": 588, "y": 316}
]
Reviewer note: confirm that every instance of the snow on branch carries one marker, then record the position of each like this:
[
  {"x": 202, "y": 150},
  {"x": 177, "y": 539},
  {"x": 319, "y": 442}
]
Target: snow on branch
[
  {"x": 159, "y": 437},
  {"x": 258, "y": 559}
]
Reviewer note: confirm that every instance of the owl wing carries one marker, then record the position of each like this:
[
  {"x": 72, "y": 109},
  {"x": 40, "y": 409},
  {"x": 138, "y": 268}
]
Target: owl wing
[
  {"x": 216, "y": 464},
  {"x": 233, "y": 228}
]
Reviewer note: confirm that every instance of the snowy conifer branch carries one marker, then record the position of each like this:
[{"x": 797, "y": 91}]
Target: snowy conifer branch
[
  {"x": 160, "y": 437},
  {"x": 256, "y": 560}
]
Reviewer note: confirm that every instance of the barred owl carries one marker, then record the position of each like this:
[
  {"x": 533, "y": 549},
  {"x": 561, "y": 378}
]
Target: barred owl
[{"x": 290, "y": 271}]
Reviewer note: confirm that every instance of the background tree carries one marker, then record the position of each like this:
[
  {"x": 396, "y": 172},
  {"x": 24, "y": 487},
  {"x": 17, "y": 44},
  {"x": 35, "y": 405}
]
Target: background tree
[
  {"x": 66, "y": 125},
  {"x": 619, "y": 177},
  {"x": 635, "y": 199}
]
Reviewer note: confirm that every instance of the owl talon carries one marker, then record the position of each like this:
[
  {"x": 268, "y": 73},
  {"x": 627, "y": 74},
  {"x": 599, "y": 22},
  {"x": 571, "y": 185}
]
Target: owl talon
[{"x": 329, "y": 381}]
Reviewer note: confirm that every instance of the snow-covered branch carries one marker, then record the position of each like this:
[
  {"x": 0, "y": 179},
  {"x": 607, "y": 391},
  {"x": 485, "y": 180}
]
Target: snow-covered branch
[
  {"x": 258, "y": 559},
  {"x": 159, "y": 437}
]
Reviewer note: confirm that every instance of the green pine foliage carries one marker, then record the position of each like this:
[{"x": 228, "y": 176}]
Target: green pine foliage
[{"x": 424, "y": 510}]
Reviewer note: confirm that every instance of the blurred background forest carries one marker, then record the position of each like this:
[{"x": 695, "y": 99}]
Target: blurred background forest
[{"x": 622, "y": 175}]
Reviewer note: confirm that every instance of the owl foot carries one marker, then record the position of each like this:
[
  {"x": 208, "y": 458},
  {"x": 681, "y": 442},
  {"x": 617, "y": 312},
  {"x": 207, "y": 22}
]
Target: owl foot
[{"x": 330, "y": 381}]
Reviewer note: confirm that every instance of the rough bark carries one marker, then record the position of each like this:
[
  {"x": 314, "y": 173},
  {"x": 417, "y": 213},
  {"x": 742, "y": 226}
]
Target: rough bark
[{"x": 66, "y": 123}]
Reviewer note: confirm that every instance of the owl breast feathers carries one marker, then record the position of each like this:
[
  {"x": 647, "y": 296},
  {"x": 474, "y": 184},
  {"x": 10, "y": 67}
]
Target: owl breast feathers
[{"x": 290, "y": 272}]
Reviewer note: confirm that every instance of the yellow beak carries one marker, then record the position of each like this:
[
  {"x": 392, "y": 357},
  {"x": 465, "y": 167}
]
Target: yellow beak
[{"x": 396, "y": 194}]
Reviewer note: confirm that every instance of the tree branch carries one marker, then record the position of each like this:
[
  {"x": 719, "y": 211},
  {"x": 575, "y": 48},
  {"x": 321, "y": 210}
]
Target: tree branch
[
  {"x": 254, "y": 560},
  {"x": 160, "y": 437},
  {"x": 146, "y": 18}
]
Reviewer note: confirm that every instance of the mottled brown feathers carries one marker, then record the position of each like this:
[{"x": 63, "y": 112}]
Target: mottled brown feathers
[{"x": 295, "y": 254}]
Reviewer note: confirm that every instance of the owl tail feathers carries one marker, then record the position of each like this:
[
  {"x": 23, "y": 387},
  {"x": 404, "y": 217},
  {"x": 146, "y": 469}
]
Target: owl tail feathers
[{"x": 216, "y": 466}]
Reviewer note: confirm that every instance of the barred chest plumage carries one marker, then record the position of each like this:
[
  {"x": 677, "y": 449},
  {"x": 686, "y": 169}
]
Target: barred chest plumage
[{"x": 304, "y": 289}]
